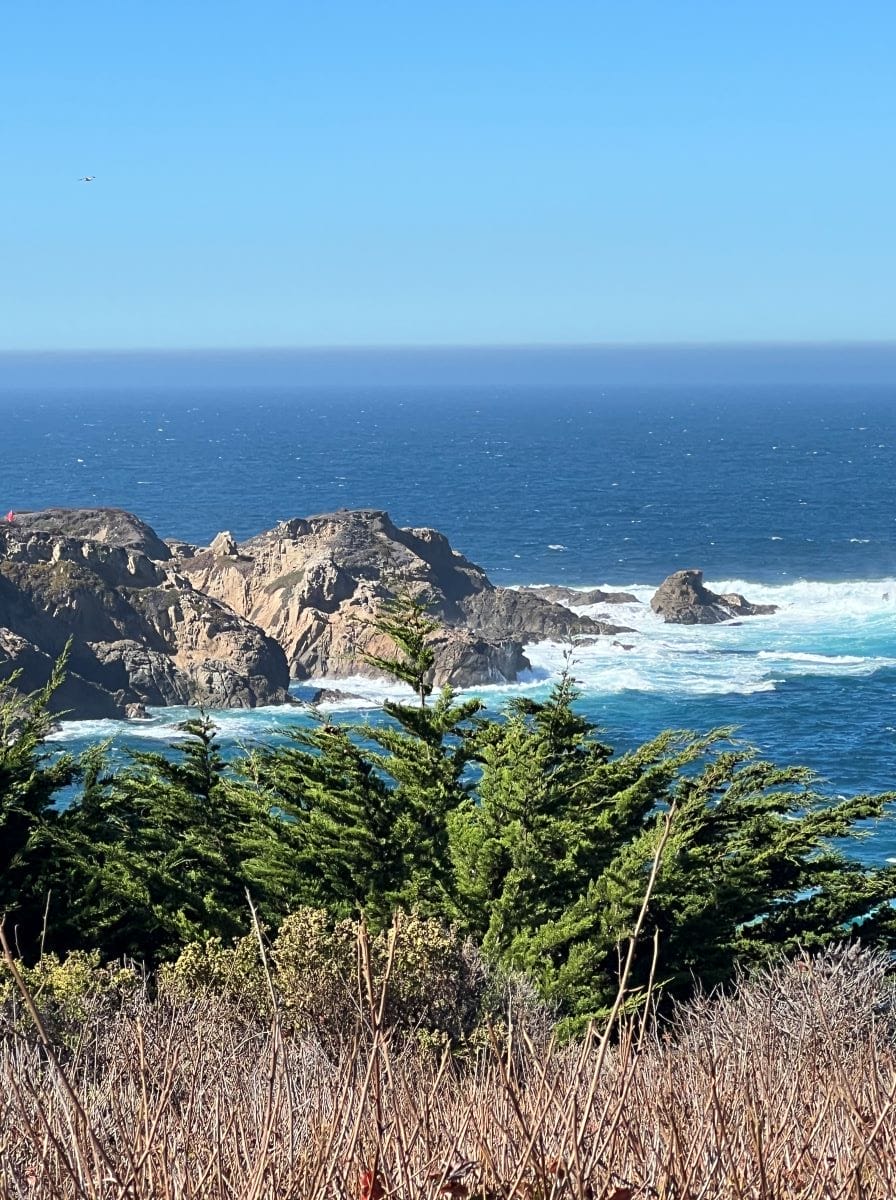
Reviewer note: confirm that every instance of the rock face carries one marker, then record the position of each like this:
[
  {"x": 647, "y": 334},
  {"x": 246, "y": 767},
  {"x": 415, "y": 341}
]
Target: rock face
[
  {"x": 683, "y": 599},
  {"x": 106, "y": 526},
  {"x": 316, "y": 584},
  {"x": 573, "y": 598},
  {"x": 224, "y": 544},
  {"x": 140, "y": 632},
  {"x": 154, "y": 623}
]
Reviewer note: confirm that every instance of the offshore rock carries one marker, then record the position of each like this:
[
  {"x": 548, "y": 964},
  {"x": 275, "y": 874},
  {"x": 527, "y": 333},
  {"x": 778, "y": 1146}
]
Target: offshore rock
[
  {"x": 574, "y": 598},
  {"x": 140, "y": 633},
  {"x": 683, "y": 599},
  {"x": 316, "y": 585}
]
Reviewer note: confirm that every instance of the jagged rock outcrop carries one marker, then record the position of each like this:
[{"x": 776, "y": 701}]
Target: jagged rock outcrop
[
  {"x": 140, "y": 632},
  {"x": 34, "y": 667},
  {"x": 107, "y": 526},
  {"x": 315, "y": 584},
  {"x": 683, "y": 599},
  {"x": 224, "y": 544},
  {"x": 155, "y": 623},
  {"x": 573, "y": 598}
]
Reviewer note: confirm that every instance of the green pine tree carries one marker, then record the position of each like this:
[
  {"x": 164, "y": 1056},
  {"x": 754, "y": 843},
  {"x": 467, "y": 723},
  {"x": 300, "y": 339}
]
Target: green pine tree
[
  {"x": 552, "y": 858},
  {"x": 425, "y": 753},
  {"x": 406, "y": 619}
]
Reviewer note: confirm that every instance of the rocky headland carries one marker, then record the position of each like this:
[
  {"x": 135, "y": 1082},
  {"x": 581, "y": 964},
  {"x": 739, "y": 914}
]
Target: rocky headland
[
  {"x": 150, "y": 622},
  {"x": 156, "y": 623},
  {"x": 315, "y": 585},
  {"x": 139, "y": 632}
]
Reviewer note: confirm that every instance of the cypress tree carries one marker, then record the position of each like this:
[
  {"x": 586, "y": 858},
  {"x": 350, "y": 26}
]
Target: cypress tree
[
  {"x": 30, "y": 781},
  {"x": 425, "y": 750},
  {"x": 406, "y": 619},
  {"x": 552, "y": 862},
  {"x": 425, "y": 753},
  {"x": 153, "y": 855},
  {"x": 329, "y": 842}
]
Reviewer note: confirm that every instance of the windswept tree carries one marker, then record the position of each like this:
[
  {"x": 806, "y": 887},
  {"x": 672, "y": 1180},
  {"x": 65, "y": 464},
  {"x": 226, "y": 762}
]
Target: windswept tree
[
  {"x": 406, "y": 619},
  {"x": 31, "y": 779},
  {"x": 330, "y": 838},
  {"x": 153, "y": 855},
  {"x": 553, "y": 855},
  {"x": 361, "y": 811},
  {"x": 424, "y": 751}
]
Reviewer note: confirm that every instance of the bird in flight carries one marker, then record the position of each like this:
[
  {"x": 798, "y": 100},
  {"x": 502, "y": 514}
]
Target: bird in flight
[{"x": 87, "y": 179}]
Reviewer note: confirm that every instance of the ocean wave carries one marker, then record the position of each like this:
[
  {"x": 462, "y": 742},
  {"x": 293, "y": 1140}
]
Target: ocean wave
[
  {"x": 866, "y": 594},
  {"x": 817, "y": 597},
  {"x": 832, "y": 660},
  {"x": 821, "y": 629},
  {"x": 108, "y": 730}
]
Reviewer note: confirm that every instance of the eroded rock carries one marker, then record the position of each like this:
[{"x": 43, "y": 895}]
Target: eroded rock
[
  {"x": 683, "y": 599},
  {"x": 139, "y": 632},
  {"x": 316, "y": 584},
  {"x": 573, "y": 597}
]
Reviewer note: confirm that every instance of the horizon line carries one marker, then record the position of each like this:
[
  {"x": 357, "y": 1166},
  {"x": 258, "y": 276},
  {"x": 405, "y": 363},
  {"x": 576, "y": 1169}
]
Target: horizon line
[{"x": 466, "y": 347}]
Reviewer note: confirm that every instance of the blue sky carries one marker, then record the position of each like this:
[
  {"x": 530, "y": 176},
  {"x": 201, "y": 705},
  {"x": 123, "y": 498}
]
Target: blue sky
[{"x": 314, "y": 174}]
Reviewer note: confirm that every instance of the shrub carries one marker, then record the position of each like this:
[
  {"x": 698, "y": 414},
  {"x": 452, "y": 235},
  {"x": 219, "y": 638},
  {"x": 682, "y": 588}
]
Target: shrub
[
  {"x": 233, "y": 971},
  {"x": 66, "y": 990}
]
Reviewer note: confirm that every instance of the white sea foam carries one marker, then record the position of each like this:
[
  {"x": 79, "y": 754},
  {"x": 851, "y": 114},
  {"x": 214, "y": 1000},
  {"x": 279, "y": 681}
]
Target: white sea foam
[
  {"x": 106, "y": 730},
  {"x": 843, "y": 629}
]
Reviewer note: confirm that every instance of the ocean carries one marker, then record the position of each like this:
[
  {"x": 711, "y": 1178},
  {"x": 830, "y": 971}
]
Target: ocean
[{"x": 780, "y": 491}]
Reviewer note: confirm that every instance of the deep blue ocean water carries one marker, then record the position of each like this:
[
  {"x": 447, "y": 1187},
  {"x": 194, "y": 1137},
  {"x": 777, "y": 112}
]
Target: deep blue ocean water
[{"x": 782, "y": 492}]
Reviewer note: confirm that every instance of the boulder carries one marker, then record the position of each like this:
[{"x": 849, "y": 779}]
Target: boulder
[
  {"x": 331, "y": 696},
  {"x": 224, "y": 544},
  {"x": 683, "y": 599}
]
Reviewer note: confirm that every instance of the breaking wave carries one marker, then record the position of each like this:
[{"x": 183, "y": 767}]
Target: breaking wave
[{"x": 821, "y": 629}]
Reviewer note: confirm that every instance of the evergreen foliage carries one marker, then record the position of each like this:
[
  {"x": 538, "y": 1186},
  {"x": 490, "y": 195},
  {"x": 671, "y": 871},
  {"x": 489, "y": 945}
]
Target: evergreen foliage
[
  {"x": 425, "y": 754},
  {"x": 30, "y": 778},
  {"x": 525, "y": 832},
  {"x": 406, "y": 620},
  {"x": 152, "y": 856},
  {"x": 552, "y": 860},
  {"x": 330, "y": 840}
]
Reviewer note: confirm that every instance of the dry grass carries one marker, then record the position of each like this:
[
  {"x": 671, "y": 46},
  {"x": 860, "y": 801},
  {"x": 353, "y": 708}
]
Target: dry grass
[{"x": 783, "y": 1090}]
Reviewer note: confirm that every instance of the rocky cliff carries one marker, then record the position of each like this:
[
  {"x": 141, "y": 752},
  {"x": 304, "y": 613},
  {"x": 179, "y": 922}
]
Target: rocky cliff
[
  {"x": 156, "y": 623},
  {"x": 315, "y": 585},
  {"x": 140, "y": 632}
]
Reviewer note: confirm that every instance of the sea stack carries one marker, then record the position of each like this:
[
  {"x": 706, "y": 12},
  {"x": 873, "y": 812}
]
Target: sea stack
[{"x": 683, "y": 599}]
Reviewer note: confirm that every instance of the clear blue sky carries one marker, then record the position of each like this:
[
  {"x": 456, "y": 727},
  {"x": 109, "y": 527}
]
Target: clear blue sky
[{"x": 296, "y": 174}]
